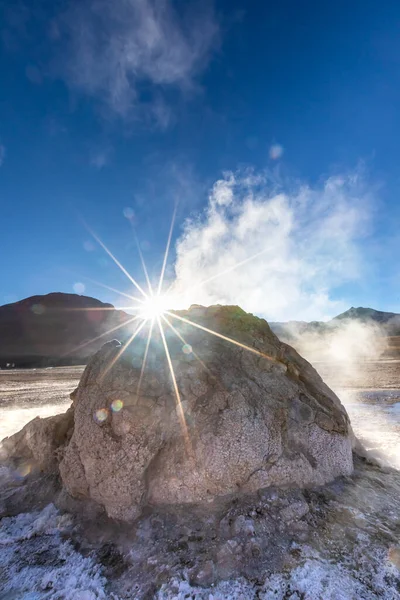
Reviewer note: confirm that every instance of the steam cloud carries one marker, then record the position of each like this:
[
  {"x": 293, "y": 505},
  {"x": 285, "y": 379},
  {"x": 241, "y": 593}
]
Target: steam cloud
[
  {"x": 279, "y": 253},
  {"x": 344, "y": 344}
]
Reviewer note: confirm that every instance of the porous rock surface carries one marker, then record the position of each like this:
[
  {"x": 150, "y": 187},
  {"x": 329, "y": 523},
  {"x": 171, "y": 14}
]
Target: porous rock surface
[{"x": 244, "y": 420}]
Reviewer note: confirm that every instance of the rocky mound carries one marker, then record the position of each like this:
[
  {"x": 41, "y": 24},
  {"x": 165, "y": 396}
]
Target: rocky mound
[
  {"x": 245, "y": 419},
  {"x": 54, "y": 329}
]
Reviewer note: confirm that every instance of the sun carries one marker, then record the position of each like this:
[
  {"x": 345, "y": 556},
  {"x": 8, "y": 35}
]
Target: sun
[{"x": 154, "y": 306}]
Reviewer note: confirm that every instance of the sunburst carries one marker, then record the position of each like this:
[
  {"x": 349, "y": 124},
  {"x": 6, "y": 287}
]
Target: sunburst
[{"x": 152, "y": 309}]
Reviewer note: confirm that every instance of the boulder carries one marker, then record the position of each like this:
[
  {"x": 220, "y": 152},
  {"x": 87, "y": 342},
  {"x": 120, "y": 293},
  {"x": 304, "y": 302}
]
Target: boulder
[{"x": 232, "y": 417}]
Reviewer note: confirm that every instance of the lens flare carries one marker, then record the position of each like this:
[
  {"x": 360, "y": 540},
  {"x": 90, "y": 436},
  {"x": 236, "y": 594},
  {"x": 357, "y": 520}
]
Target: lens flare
[
  {"x": 117, "y": 405},
  {"x": 24, "y": 469},
  {"x": 101, "y": 415}
]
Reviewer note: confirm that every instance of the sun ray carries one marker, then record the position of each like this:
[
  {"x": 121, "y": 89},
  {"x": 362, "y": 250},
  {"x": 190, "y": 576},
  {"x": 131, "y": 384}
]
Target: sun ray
[
  {"x": 122, "y": 349},
  {"x": 181, "y": 414},
  {"x": 180, "y": 336},
  {"x": 107, "y": 287},
  {"x": 146, "y": 273},
  {"x": 130, "y": 307},
  {"x": 223, "y": 337},
  {"x": 160, "y": 283},
  {"x": 144, "y": 359},
  {"x": 111, "y": 255},
  {"x": 99, "y": 308},
  {"x": 100, "y": 336}
]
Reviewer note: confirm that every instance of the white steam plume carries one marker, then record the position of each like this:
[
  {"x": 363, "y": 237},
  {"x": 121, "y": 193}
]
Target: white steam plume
[
  {"x": 346, "y": 346},
  {"x": 304, "y": 242}
]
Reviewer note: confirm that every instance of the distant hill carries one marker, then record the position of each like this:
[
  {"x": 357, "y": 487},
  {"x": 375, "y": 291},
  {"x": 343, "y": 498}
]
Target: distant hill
[
  {"x": 54, "y": 329},
  {"x": 388, "y": 322},
  {"x": 369, "y": 314}
]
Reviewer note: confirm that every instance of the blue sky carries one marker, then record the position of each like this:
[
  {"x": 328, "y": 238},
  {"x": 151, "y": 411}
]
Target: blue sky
[{"x": 274, "y": 126}]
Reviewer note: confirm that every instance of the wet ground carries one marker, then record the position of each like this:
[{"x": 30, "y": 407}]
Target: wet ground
[
  {"x": 368, "y": 374},
  {"x": 29, "y": 393},
  {"x": 370, "y": 391}
]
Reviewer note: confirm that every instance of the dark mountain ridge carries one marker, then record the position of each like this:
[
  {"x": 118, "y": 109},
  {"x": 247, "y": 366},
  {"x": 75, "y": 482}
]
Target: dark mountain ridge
[{"x": 56, "y": 329}]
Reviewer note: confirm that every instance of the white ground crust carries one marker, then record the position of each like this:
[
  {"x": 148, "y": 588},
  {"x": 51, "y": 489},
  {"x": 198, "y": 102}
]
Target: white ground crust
[
  {"x": 72, "y": 577},
  {"x": 367, "y": 574},
  {"x": 315, "y": 579}
]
